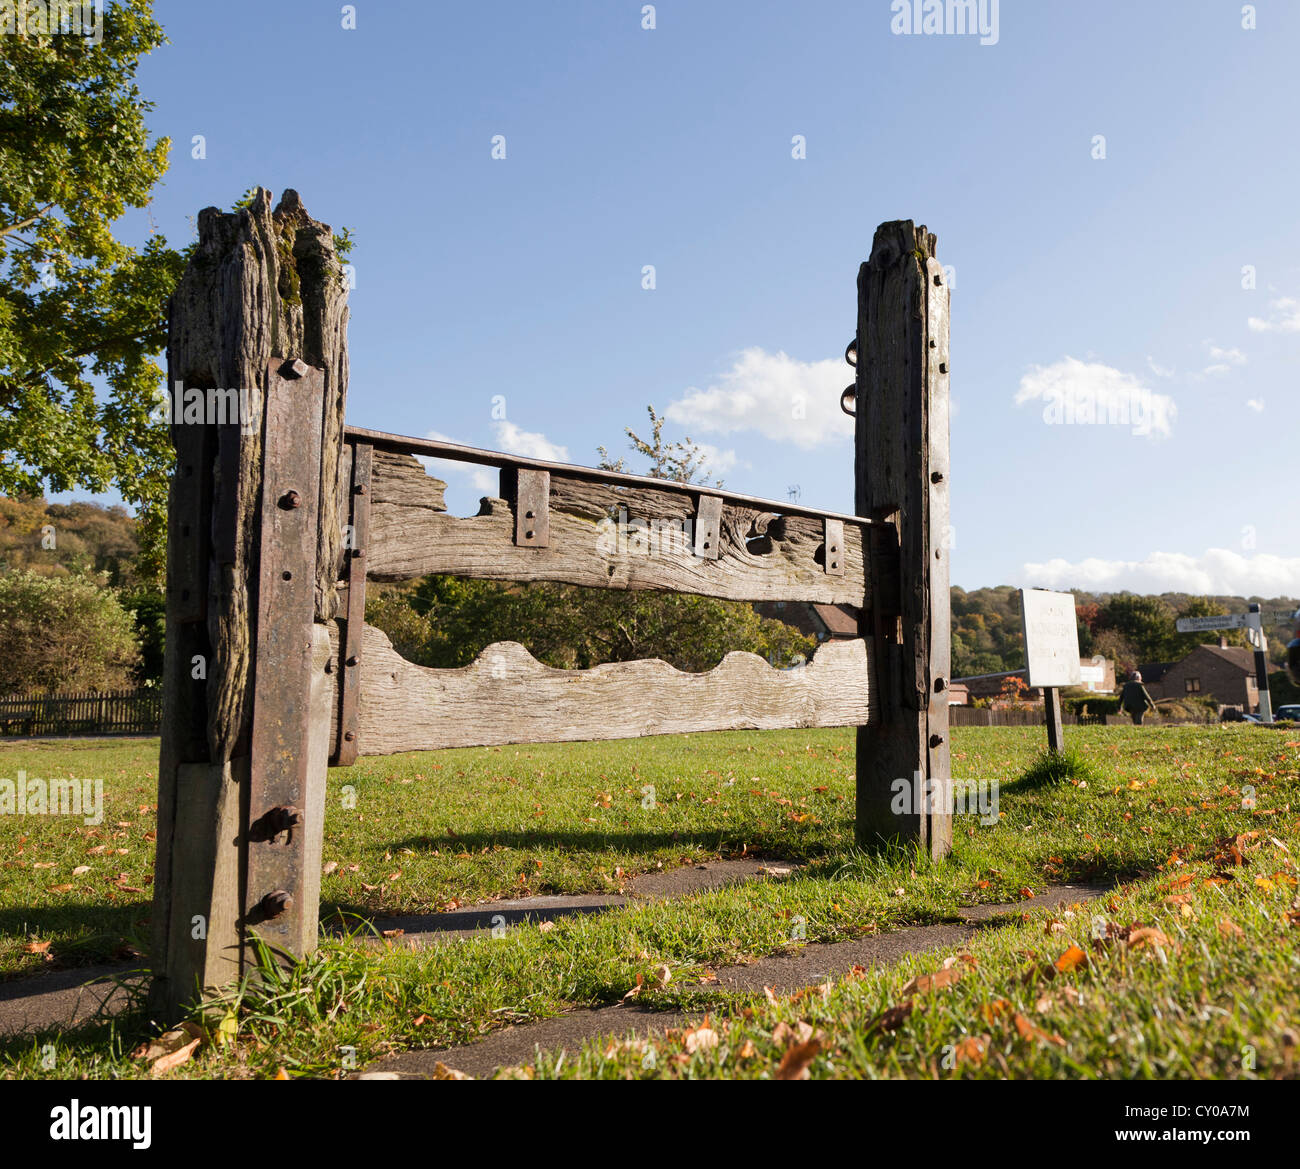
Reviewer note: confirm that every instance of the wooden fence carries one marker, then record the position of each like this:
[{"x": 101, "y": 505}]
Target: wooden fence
[
  {"x": 272, "y": 675},
  {"x": 112, "y": 712}
]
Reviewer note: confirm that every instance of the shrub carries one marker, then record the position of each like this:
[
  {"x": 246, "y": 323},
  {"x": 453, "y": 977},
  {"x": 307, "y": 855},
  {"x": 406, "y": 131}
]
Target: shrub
[{"x": 63, "y": 633}]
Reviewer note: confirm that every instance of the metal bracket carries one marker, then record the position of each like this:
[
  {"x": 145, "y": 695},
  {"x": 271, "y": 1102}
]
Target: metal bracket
[
  {"x": 345, "y": 750},
  {"x": 286, "y": 612},
  {"x": 833, "y": 546},
  {"x": 708, "y": 527},
  {"x": 532, "y": 502}
]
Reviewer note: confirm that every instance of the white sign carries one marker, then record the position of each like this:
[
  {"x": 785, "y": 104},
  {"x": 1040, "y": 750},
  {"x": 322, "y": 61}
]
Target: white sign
[
  {"x": 1092, "y": 674},
  {"x": 1194, "y": 624},
  {"x": 1051, "y": 638}
]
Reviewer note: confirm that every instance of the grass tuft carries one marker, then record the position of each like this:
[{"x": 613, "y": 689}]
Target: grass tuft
[{"x": 1056, "y": 767}]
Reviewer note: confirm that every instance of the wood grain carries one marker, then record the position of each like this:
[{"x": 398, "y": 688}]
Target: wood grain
[
  {"x": 901, "y": 446},
  {"x": 606, "y": 536},
  {"x": 507, "y": 696}
]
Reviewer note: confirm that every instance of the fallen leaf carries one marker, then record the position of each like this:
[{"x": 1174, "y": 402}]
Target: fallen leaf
[
  {"x": 936, "y": 981},
  {"x": 1230, "y": 929},
  {"x": 1070, "y": 960},
  {"x": 702, "y": 1038},
  {"x": 794, "y": 1064},
  {"x": 972, "y": 1049},
  {"x": 442, "y": 1072},
  {"x": 1027, "y": 1030},
  {"x": 890, "y": 1020},
  {"x": 1146, "y": 936}
]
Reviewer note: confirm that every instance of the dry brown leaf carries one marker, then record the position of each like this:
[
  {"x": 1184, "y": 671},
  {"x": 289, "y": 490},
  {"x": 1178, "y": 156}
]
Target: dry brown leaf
[
  {"x": 1146, "y": 936},
  {"x": 1027, "y": 1030},
  {"x": 166, "y": 1063},
  {"x": 936, "y": 981},
  {"x": 442, "y": 1072},
  {"x": 890, "y": 1020},
  {"x": 702, "y": 1038},
  {"x": 794, "y": 1064},
  {"x": 1230, "y": 929},
  {"x": 1070, "y": 960},
  {"x": 995, "y": 1009},
  {"x": 972, "y": 1049},
  {"x": 36, "y": 947}
]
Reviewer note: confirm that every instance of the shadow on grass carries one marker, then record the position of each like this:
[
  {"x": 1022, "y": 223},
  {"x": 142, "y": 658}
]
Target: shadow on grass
[
  {"x": 727, "y": 844},
  {"x": 99, "y": 933}
]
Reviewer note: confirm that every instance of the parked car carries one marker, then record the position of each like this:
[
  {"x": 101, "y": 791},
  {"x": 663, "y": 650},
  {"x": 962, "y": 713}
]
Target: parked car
[{"x": 1290, "y": 711}]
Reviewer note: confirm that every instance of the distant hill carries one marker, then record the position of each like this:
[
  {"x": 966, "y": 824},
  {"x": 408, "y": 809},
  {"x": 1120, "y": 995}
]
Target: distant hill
[{"x": 87, "y": 539}]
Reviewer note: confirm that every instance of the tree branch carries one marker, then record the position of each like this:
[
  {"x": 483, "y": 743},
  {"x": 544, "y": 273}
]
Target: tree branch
[{"x": 26, "y": 222}]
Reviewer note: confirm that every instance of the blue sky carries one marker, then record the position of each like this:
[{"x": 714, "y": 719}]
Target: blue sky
[{"x": 1117, "y": 279}]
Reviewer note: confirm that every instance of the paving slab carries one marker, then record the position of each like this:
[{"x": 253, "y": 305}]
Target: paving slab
[
  {"x": 63, "y": 999},
  {"x": 431, "y": 928},
  {"x": 810, "y": 965}
]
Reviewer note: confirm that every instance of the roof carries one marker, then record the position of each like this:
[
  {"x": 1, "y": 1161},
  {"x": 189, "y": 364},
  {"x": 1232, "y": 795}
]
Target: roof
[
  {"x": 1236, "y": 655},
  {"x": 840, "y": 620},
  {"x": 1154, "y": 671}
]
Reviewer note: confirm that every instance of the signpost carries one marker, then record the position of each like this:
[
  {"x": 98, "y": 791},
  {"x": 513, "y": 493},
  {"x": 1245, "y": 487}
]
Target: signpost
[
  {"x": 1051, "y": 651},
  {"x": 1253, "y": 622}
]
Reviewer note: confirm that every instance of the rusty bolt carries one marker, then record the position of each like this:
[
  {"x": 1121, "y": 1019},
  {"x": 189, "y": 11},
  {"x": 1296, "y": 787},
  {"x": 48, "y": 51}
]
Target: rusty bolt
[
  {"x": 936, "y": 740},
  {"x": 349, "y": 735},
  {"x": 290, "y": 500},
  {"x": 295, "y": 368},
  {"x": 936, "y": 476},
  {"x": 360, "y": 489},
  {"x": 274, "y": 904},
  {"x": 352, "y": 660}
]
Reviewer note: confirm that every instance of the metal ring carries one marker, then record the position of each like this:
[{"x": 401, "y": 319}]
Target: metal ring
[
  {"x": 852, "y": 347},
  {"x": 849, "y": 401}
]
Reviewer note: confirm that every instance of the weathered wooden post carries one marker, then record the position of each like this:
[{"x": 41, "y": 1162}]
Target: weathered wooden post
[
  {"x": 904, "y": 780},
  {"x": 257, "y": 372}
]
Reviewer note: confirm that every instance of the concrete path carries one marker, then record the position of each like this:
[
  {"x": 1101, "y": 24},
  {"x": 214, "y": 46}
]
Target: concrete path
[
  {"x": 62, "y": 999},
  {"x": 810, "y": 966}
]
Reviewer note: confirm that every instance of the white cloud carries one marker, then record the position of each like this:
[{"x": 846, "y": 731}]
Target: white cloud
[
  {"x": 774, "y": 394},
  {"x": 1090, "y": 394},
  {"x": 1230, "y": 356},
  {"x": 1285, "y": 317},
  {"x": 485, "y": 480},
  {"x": 1222, "y": 360},
  {"x": 717, "y": 461},
  {"x": 1215, "y": 571},
  {"x": 1256, "y": 404},
  {"x": 512, "y": 439},
  {"x": 1159, "y": 370},
  {"x": 509, "y": 438}
]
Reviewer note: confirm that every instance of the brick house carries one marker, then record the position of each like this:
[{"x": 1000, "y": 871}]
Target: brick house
[
  {"x": 1225, "y": 673},
  {"x": 823, "y": 622}
]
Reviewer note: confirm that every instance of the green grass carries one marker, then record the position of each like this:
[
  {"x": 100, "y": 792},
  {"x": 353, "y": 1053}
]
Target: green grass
[{"x": 429, "y": 831}]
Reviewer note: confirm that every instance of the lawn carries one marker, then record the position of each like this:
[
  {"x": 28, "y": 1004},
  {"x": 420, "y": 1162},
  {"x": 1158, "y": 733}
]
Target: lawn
[{"x": 1197, "y": 825}]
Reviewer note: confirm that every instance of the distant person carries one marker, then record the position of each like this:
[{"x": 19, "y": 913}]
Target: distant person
[
  {"x": 1134, "y": 699},
  {"x": 1293, "y": 651}
]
